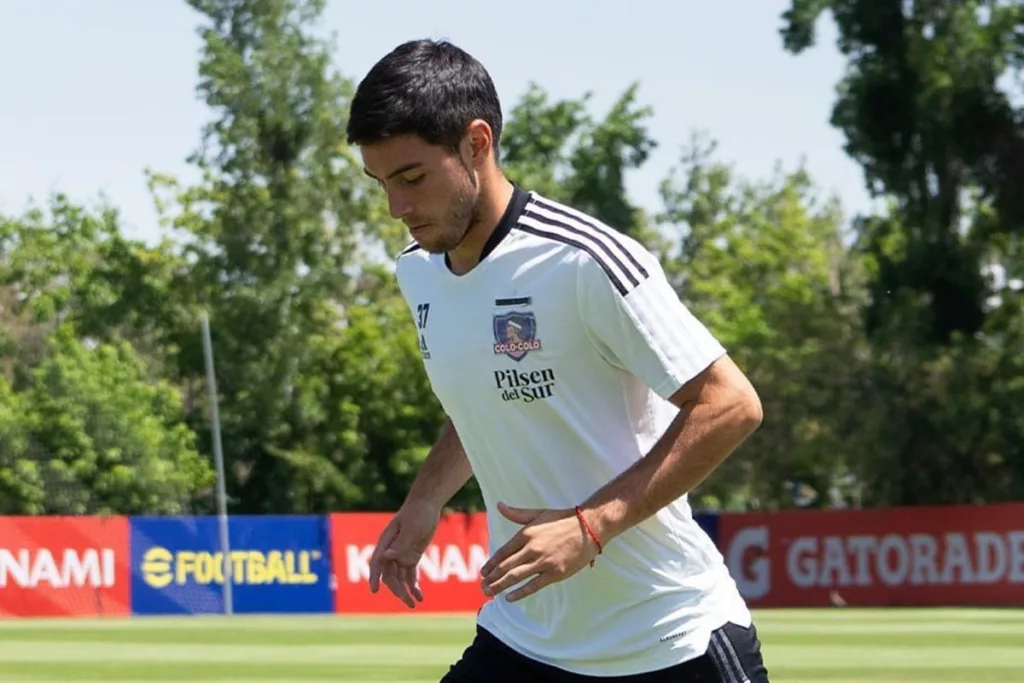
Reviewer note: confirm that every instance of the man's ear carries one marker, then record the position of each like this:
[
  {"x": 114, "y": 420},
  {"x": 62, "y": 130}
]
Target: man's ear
[{"x": 478, "y": 141}]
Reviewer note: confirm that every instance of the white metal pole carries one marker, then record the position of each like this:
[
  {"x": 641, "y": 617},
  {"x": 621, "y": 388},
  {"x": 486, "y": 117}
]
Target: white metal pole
[{"x": 218, "y": 456}]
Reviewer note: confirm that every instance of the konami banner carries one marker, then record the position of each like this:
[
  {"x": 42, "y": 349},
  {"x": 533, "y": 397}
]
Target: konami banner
[
  {"x": 449, "y": 572},
  {"x": 64, "y": 566},
  {"x": 921, "y": 556}
]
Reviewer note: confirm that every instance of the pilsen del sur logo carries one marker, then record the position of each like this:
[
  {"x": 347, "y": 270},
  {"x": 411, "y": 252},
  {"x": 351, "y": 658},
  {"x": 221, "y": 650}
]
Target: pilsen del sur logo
[{"x": 515, "y": 334}]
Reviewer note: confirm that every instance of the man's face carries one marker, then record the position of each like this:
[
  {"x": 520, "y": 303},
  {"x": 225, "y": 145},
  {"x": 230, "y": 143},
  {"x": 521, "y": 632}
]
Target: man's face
[{"x": 428, "y": 188}]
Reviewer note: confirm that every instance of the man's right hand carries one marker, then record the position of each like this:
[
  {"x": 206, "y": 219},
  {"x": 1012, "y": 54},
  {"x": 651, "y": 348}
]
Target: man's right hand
[{"x": 399, "y": 549}]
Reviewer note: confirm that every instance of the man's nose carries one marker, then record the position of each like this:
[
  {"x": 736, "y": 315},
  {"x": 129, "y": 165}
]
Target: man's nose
[{"x": 399, "y": 205}]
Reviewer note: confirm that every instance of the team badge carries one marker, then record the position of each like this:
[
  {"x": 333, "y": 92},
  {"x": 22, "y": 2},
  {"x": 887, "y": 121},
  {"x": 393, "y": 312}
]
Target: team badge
[{"x": 515, "y": 334}]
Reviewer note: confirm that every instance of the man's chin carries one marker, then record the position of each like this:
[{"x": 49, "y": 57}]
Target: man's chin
[{"x": 431, "y": 246}]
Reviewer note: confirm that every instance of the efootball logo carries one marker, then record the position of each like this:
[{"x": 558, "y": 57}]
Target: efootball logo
[{"x": 515, "y": 334}]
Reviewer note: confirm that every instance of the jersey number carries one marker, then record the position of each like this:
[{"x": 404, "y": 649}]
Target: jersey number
[{"x": 422, "y": 311}]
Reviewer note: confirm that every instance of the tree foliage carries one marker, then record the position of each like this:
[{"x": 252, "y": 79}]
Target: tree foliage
[
  {"x": 561, "y": 150},
  {"x": 87, "y": 431},
  {"x": 764, "y": 265},
  {"x": 925, "y": 115},
  {"x": 271, "y": 233}
]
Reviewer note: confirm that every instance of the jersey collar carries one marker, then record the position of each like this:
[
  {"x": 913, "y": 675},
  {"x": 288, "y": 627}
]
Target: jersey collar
[{"x": 509, "y": 219}]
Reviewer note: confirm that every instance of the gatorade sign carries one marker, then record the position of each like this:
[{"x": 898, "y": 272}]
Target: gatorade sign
[
  {"x": 64, "y": 566},
  {"x": 896, "y": 556}
]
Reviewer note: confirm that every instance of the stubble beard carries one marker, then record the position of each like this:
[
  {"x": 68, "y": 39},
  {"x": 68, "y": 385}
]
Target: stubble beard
[{"x": 463, "y": 217}]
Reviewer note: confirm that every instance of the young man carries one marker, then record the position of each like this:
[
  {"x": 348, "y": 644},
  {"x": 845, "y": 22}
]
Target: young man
[{"x": 580, "y": 392}]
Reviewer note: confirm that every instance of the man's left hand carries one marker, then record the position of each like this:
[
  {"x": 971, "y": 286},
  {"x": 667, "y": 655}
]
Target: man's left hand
[{"x": 552, "y": 546}]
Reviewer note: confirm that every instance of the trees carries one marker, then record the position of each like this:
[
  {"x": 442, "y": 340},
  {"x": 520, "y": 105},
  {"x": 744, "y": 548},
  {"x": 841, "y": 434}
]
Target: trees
[
  {"x": 925, "y": 114},
  {"x": 561, "y": 150},
  {"x": 765, "y": 265},
  {"x": 86, "y": 433},
  {"x": 271, "y": 234},
  {"x": 86, "y": 422}
]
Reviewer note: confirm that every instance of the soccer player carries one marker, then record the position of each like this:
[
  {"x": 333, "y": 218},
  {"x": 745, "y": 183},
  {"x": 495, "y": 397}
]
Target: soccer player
[{"x": 580, "y": 392}]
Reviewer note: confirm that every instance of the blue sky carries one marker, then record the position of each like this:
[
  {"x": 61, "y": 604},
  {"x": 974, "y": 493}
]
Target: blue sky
[{"x": 95, "y": 92}]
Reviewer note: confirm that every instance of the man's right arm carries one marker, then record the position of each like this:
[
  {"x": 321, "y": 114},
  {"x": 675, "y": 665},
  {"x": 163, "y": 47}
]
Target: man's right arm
[
  {"x": 444, "y": 472},
  {"x": 405, "y": 538}
]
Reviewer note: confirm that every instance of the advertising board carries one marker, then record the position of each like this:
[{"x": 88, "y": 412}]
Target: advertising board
[
  {"x": 956, "y": 555},
  {"x": 278, "y": 564},
  {"x": 449, "y": 571},
  {"x": 64, "y": 566}
]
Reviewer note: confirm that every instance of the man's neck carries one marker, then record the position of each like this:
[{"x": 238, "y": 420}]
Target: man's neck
[{"x": 491, "y": 208}]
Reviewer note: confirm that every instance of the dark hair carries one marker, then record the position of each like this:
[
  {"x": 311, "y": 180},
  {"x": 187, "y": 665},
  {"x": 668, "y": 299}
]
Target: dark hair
[{"x": 428, "y": 88}]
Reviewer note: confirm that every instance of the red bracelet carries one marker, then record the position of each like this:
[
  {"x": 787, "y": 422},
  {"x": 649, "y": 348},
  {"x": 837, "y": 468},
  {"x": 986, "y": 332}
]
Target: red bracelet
[{"x": 590, "y": 532}]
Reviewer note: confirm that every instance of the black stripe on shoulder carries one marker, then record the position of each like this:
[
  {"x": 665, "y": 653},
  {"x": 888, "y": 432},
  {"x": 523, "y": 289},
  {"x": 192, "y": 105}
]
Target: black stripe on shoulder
[
  {"x": 609, "y": 252},
  {"x": 410, "y": 248},
  {"x": 594, "y": 225},
  {"x": 586, "y": 246}
]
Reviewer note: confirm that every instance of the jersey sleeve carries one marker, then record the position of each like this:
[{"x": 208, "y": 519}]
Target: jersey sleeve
[
  {"x": 638, "y": 323},
  {"x": 401, "y": 279}
]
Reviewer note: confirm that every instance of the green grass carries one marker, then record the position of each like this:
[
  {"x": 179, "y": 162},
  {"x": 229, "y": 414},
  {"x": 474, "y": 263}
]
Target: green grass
[{"x": 800, "y": 646}]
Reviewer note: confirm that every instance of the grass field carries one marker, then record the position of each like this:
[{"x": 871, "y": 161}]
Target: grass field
[{"x": 835, "y": 646}]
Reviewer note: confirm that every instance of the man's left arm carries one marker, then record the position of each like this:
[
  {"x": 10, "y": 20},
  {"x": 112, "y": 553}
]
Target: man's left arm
[
  {"x": 648, "y": 332},
  {"x": 718, "y": 410}
]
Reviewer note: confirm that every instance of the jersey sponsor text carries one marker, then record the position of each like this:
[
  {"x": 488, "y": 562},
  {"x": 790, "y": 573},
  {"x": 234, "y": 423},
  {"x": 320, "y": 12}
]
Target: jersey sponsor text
[{"x": 525, "y": 385}]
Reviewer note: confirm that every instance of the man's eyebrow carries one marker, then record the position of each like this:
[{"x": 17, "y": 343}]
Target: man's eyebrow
[{"x": 397, "y": 171}]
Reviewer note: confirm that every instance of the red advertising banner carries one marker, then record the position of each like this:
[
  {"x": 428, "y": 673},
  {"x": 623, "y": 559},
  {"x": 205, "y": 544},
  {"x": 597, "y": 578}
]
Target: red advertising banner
[
  {"x": 64, "y": 566},
  {"x": 449, "y": 572},
  {"x": 926, "y": 556}
]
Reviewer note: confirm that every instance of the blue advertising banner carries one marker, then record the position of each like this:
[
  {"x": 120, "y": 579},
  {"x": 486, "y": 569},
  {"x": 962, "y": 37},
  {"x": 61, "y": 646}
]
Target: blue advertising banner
[{"x": 278, "y": 564}]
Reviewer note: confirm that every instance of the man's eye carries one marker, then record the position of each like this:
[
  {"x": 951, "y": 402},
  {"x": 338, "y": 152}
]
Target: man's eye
[{"x": 414, "y": 181}]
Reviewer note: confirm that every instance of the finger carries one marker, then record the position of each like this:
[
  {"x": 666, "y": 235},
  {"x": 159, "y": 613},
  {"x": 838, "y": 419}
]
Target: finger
[
  {"x": 376, "y": 559},
  {"x": 376, "y": 567},
  {"x": 384, "y": 542},
  {"x": 518, "y": 515},
  {"x": 524, "y": 555},
  {"x": 389, "y": 575},
  {"x": 398, "y": 589},
  {"x": 534, "y": 585},
  {"x": 511, "y": 570},
  {"x": 409, "y": 576},
  {"x": 511, "y": 547},
  {"x": 395, "y": 584},
  {"x": 514, "y": 575}
]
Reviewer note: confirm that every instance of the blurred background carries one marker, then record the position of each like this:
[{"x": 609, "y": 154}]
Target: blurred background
[{"x": 836, "y": 187}]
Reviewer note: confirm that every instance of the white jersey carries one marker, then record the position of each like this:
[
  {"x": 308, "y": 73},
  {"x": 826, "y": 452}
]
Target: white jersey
[{"x": 554, "y": 358}]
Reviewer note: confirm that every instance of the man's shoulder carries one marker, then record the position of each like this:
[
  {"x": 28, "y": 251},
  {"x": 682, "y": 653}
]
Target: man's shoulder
[
  {"x": 411, "y": 253},
  {"x": 409, "y": 265},
  {"x": 600, "y": 247},
  {"x": 411, "y": 249}
]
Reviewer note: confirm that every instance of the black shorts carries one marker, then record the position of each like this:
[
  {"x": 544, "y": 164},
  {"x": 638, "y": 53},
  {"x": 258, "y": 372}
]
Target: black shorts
[{"x": 733, "y": 656}]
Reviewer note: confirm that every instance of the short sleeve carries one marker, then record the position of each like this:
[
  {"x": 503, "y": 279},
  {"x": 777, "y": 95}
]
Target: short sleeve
[{"x": 639, "y": 324}]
